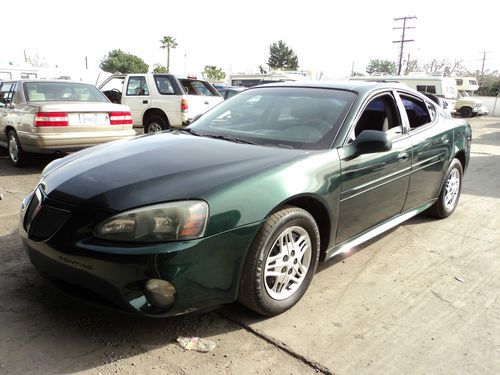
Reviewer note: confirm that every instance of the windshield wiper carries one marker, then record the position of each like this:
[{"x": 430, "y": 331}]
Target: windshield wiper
[
  {"x": 228, "y": 138},
  {"x": 190, "y": 131}
]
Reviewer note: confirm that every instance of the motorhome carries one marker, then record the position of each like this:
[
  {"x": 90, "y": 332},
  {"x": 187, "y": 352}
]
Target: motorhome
[
  {"x": 467, "y": 84},
  {"x": 10, "y": 72},
  {"x": 249, "y": 80}
]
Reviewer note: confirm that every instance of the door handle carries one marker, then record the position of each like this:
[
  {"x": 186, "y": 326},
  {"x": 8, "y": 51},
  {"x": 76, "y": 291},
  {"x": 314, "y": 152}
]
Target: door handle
[
  {"x": 144, "y": 102},
  {"x": 403, "y": 156},
  {"x": 206, "y": 101},
  {"x": 445, "y": 139}
]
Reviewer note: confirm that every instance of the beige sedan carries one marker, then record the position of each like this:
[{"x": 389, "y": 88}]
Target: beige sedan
[{"x": 38, "y": 116}]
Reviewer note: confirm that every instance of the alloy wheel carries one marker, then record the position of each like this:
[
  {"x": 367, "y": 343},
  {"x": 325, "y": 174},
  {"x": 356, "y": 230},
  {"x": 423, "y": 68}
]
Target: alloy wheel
[
  {"x": 452, "y": 189},
  {"x": 287, "y": 263},
  {"x": 13, "y": 148}
]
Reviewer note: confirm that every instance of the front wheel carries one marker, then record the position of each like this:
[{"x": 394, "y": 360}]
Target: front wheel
[
  {"x": 450, "y": 191},
  {"x": 16, "y": 154},
  {"x": 155, "y": 124},
  {"x": 466, "y": 112},
  {"x": 281, "y": 262}
]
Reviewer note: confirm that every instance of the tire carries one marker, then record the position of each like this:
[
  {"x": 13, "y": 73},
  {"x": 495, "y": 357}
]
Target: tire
[
  {"x": 450, "y": 191},
  {"x": 16, "y": 154},
  {"x": 154, "y": 124},
  {"x": 269, "y": 294},
  {"x": 466, "y": 112}
]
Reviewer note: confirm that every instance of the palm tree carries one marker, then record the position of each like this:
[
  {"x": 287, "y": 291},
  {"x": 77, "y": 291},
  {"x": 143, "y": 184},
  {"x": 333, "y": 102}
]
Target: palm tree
[{"x": 168, "y": 42}]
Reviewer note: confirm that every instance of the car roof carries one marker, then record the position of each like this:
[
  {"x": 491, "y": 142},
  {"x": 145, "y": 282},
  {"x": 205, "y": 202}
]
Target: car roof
[
  {"x": 357, "y": 86},
  {"x": 27, "y": 80}
]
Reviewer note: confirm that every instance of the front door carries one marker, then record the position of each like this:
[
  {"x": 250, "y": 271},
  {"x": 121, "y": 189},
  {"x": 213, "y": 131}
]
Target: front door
[
  {"x": 137, "y": 96},
  {"x": 374, "y": 186}
]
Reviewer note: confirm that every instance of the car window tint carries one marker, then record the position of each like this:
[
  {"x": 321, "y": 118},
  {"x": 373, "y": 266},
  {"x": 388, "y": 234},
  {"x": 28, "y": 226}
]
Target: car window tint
[
  {"x": 62, "y": 91},
  {"x": 305, "y": 118},
  {"x": 163, "y": 85},
  {"x": 203, "y": 88},
  {"x": 137, "y": 86},
  {"x": 379, "y": 114},
  {"x": 6, "y": 93},
  {"x": 416, "y": 110}
]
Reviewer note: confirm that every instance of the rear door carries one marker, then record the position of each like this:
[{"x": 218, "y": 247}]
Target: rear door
[
  {"x": 432, "y": 145},
  {"x": 201, "y": 96},
  {"x": 374, "y": 186},
  {"x": 137, "y": 96}
]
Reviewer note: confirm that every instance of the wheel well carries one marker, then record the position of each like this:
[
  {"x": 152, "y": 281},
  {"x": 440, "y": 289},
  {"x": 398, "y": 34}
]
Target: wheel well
[
  {"x": 152, "y": 112},
  {"x": 320, "y": 215},
  {"x": 461, "y": 158},
  {"x": 9, "y": 128}
]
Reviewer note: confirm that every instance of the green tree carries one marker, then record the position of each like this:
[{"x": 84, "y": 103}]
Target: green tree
[
  {"x": 381, "y": 66},
  {"x": 118, "y": 61},
  {"x": 168, "y": 42},
  {"x": 282, "y": 57},
  {"x": 212, "y": 73},
  {"x": 160, "y": 69}
]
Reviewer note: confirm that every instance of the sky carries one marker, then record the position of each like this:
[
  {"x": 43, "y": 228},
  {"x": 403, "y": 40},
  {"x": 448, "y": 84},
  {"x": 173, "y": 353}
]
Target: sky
[{"x": 330, "y": 37}]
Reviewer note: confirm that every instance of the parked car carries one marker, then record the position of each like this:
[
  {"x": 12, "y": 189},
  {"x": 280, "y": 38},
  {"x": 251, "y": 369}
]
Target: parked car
[
  {"x": 161, "y": 101},
  {"x": 57, "y": 116},
  {"x": 227, "y": 91},
  {"x": 242, "y": 204}
]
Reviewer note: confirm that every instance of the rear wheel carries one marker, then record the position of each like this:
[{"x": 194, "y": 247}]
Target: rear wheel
[
  {"x": 154, "y": 124},
  {"x": 450, "y": 192},
  {"x": 281, "y": 262},
  {"x": 16, "y": 154}
]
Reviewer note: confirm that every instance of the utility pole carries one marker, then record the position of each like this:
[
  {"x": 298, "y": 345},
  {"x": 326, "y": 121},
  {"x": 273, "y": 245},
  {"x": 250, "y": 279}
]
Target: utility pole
[
  {"x": 402, "y": 41},
  {"x": 482, "y": 67}
]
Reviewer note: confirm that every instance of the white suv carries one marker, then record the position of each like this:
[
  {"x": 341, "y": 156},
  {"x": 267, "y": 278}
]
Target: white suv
[{"x": 161, "y": 101}]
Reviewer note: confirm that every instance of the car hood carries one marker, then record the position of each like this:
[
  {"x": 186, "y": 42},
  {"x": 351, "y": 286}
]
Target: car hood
[{"x": 156, "y": 168}]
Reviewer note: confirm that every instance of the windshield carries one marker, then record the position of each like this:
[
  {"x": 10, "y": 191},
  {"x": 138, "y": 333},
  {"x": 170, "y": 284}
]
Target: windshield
[
  {"x": 292, "y": 117},
  {"x": 62, "y": 91}
]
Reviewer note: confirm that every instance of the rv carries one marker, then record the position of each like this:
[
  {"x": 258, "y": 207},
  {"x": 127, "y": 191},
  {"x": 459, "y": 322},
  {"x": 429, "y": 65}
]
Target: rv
[
  {"x": 10, "y": 72},
  {"x": 249, "y": 80}
]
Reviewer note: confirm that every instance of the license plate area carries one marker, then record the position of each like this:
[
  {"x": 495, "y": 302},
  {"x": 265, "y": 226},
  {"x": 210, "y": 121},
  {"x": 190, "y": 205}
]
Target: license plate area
[{"x": 88, "y": 119}]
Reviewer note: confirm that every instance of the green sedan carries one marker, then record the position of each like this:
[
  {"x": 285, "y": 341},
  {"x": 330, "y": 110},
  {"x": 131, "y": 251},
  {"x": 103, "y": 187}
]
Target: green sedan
[{"x": 244, "y": 203}]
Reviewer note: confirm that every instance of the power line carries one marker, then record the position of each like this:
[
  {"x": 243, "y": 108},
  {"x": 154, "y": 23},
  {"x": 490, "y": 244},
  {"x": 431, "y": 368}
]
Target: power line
[{"x": 402, "y": 41}]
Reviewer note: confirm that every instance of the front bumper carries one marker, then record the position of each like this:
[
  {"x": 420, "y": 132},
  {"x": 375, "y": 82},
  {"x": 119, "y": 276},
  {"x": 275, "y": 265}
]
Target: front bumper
[
  {"x": 482, "y": 110},
  {"x": 204, "y": 273}
]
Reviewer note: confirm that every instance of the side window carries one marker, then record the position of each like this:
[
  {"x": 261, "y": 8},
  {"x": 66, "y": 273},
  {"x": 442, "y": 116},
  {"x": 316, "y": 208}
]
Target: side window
[
  {"x": 417, "y": 111},
  {"x": 137, "y": 86},
  {"x": 5, "y": 94},
  {"x": 380, "y": 114},
  {"x": 164, "y": 85},
  {"x": 204, "y": 89}
]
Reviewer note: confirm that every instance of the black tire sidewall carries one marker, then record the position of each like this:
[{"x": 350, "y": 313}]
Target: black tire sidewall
[
  {"x": 296, "y": 218},
  {"x": 158, "y": 119},
  {"x": 445, "y": 212}
]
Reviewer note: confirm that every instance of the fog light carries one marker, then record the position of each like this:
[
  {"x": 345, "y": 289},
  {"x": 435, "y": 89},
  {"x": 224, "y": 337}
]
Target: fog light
[{"x": 160, "y": 293}]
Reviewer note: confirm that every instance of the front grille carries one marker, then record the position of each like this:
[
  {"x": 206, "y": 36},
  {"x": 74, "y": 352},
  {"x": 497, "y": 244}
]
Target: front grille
[
  {"x": 46, "y": 223},
  {"x": 42, "y": 221},
  {"x": 31, "y": 210}
]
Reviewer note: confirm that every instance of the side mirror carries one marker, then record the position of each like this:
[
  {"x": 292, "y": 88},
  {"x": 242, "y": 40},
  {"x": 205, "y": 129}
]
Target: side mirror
[{"x": 367, "y": 142}]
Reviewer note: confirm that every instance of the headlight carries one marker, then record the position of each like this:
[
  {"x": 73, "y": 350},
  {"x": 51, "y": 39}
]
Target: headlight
[{"x": 162, "y": 222}]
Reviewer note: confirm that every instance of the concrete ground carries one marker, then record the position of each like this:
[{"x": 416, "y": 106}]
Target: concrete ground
[{"x": 423, "y": 298}]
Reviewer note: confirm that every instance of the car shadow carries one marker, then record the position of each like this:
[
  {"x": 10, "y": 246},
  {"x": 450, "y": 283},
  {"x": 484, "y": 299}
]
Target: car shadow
[
  {"x": 34, "y": 164},
  {"x": 38, "y": 319}
]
